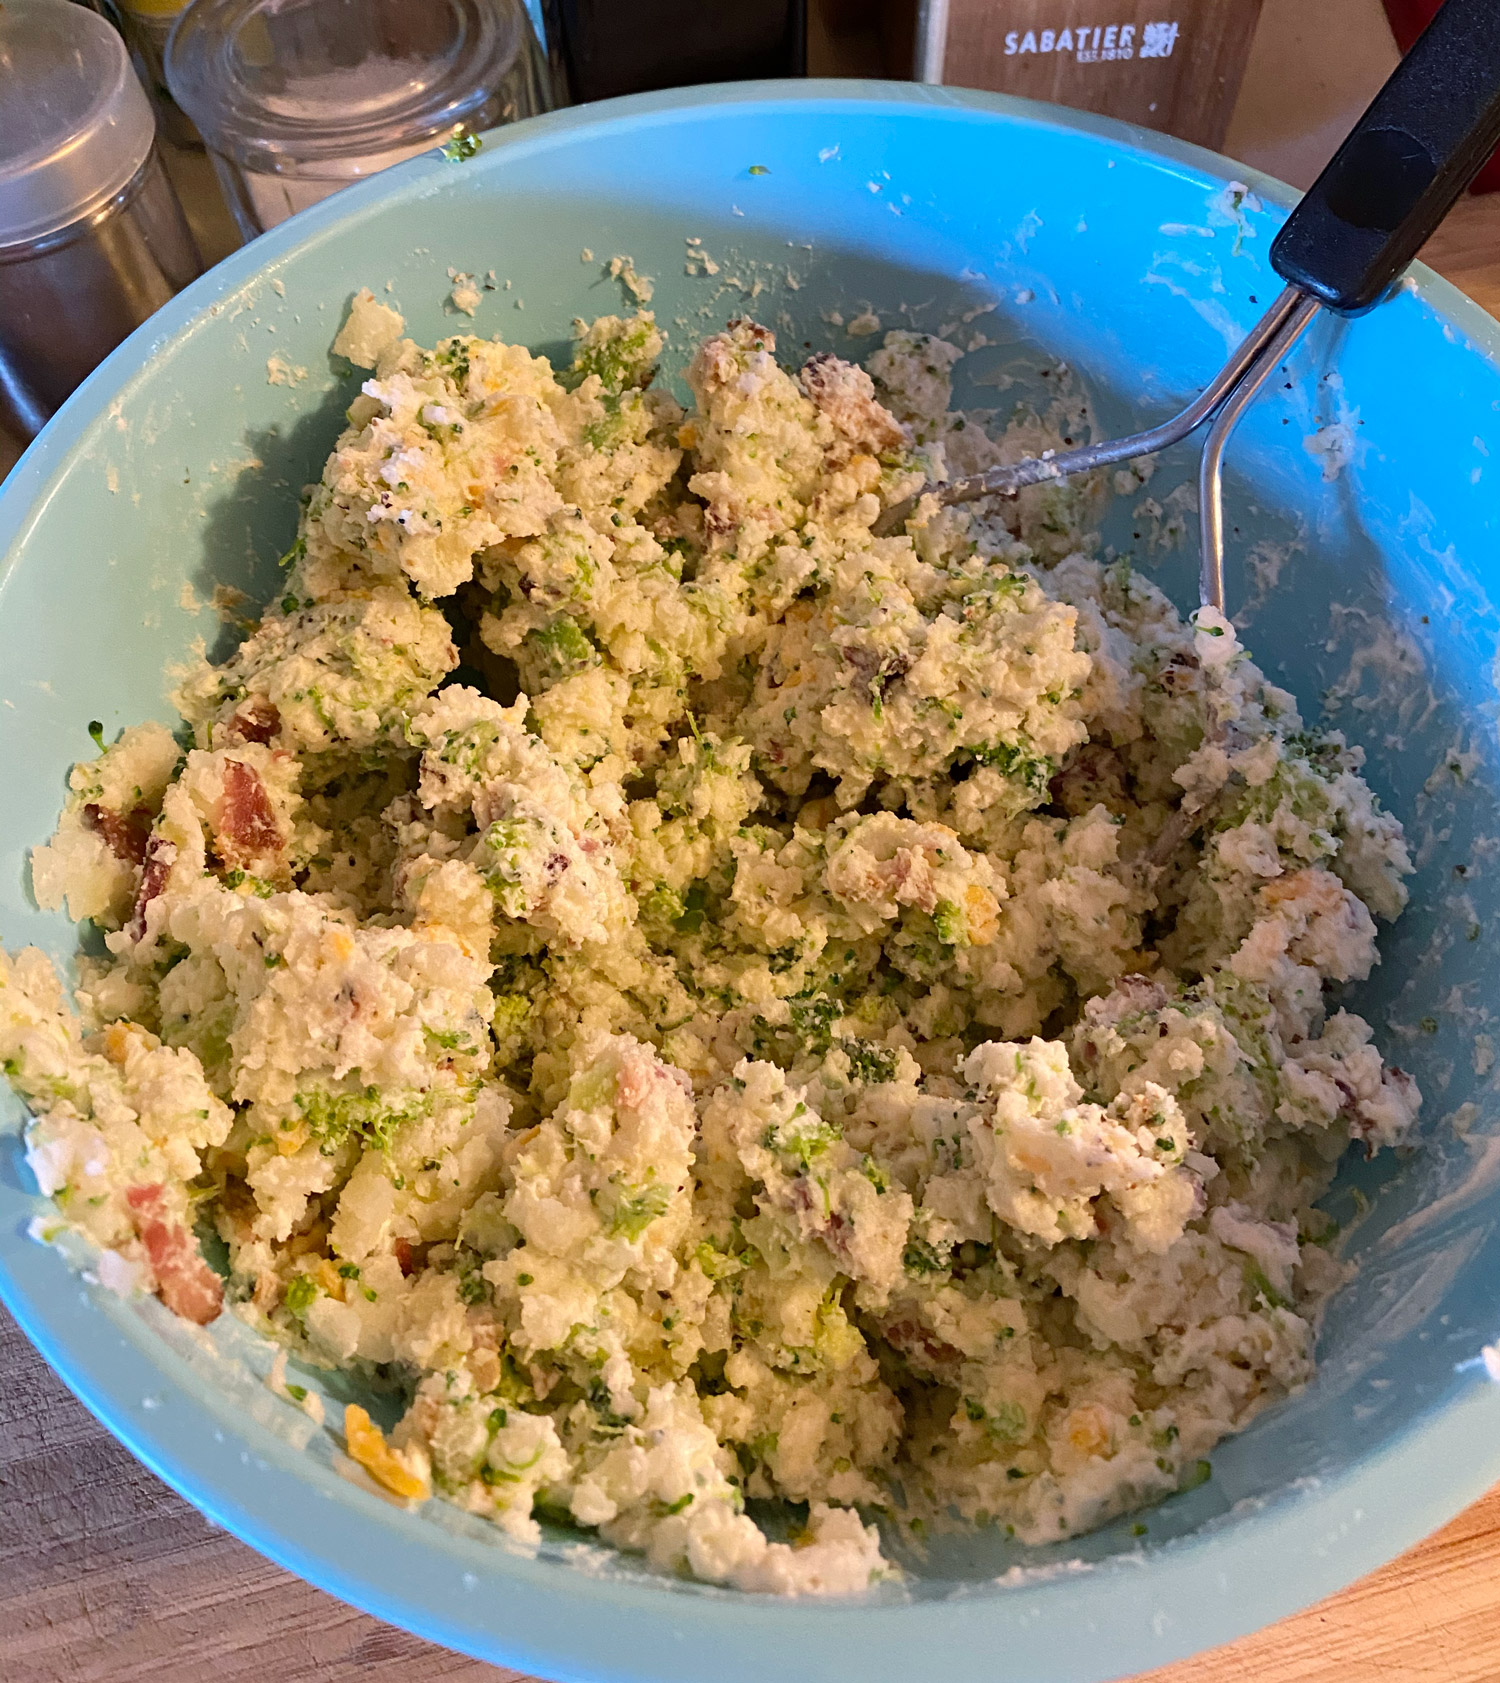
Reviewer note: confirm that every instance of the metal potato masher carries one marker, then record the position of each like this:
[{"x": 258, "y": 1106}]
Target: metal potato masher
[{"x": 1423, "y": 139}]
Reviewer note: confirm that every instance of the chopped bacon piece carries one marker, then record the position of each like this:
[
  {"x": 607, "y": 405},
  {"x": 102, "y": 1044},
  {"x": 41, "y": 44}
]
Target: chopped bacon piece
[
  {"x": 409, "y": 1257},
  {"x": 255, "y": 720},
  {"x": 184, "y": 1281},
  {"x": 923, "y": 1347},
  {"x": 639, "y": 1075},
  {"x": 247, "y": 824},
  {"x": 846, "y": 395},
  {"x": 160, "y": 857},
  {"x": 763, "y": 338},
  {"x": 1180, "y": 674},
  {"x": 833, "y": 1227},
  {"x": 125, "y": 833},
  {"x": 716, "y": 364}
]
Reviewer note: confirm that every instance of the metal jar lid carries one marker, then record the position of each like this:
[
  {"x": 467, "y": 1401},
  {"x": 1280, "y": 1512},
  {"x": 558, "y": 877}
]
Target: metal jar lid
[{"x": 75, "y": 123}]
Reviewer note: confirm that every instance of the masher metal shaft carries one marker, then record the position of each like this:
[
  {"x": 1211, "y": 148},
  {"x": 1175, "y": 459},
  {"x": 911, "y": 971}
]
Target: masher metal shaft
[
  {"x": 1007, "y": 480},
  {"x": 1211, "y": 465},
  {"x": 1419, "y": 144}
]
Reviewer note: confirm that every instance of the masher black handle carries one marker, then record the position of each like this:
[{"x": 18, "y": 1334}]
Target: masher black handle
[{"x": 1418, "y": 146}]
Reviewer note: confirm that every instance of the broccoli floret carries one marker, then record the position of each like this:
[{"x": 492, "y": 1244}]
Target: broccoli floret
[
  {"x": 335, "y": 1118},
  {"x": 621, "y": 351}
]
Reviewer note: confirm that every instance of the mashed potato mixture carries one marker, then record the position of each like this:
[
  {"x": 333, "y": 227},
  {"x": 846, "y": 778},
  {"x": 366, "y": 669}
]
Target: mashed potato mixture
[{"x": 709, "y": 1004}]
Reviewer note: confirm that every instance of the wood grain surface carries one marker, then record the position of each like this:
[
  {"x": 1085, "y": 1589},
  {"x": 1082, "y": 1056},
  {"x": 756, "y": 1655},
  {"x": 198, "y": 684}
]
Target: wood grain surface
[
  {"x": 107, "y": 1577},
  {"x": 1095, "y": 55}
]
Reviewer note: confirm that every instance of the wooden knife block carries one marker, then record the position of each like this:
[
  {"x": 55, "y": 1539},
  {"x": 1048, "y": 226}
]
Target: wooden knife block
[{"x": 1173, "y": 65}]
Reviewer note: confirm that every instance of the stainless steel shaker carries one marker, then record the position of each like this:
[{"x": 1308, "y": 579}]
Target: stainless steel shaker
[{"x": 92, "y": 238}]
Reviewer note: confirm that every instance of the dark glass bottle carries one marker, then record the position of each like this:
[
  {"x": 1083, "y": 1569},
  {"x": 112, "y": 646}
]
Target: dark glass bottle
[{"x": 609, "y": 47}]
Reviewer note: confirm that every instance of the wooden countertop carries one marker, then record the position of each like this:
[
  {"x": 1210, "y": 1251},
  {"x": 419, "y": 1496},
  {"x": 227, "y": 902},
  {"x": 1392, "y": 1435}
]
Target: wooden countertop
[{"x": 107, "y": 1577}]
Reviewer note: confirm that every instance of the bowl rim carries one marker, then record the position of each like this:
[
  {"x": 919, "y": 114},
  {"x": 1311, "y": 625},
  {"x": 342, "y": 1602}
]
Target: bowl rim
[{"x": 1142, "y": 1609}]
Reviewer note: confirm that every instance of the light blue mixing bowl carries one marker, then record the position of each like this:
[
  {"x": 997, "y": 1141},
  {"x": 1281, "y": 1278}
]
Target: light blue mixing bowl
[{"x": 1363, "y": 512}]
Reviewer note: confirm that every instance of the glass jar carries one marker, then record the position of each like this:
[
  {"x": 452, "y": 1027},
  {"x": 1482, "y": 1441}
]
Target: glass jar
[
  {"x": 92, "y": 238},
  {"x": 297, "y": 98},
  {"x": 147, "y": 25}
]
